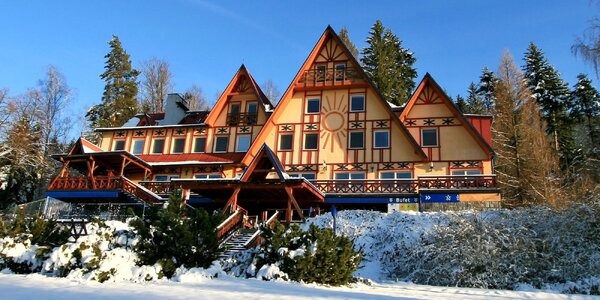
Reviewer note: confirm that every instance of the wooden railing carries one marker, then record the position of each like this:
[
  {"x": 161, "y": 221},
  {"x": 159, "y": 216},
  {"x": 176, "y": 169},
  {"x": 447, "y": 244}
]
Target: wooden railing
[
  {"x": 257, "y": 238},
  {"x": 458, "y": 182},
  {"x": 233, "y": 222},
  {"x": 242, "y": 119},
  {"x": 329, "y": 77},
  {"x": 159, "y": 187},
  {"x": 140, "y": 192}
]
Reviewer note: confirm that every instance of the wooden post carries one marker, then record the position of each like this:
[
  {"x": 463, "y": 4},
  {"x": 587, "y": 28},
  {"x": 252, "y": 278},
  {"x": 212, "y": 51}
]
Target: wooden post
[
  {"x": 91, "y": 168},
  {"x": 232, "y": 201},
  {"x": 292, "y": 201}
]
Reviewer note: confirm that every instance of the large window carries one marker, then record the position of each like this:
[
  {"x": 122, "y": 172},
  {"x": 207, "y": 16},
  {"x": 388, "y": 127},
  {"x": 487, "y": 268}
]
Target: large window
[
  {"x": 138, "y": 147},
  {"x": 349, "y": 176},
  {"x": 381, "y": 139},
  {"x": 243, "y": 143},
  {"x": 429, "y": 137},
  {"x": 356, "y": 140},
  {"x": 309, "y": 176},
  {"x": 158, "y": 146},
  {"x": 119, "y": 145},
  {"x": 396, "y": 175},
  {"x": 311, "y": 141},
  {"x": 357, "y": 103},
  {"x": 200, "y": 145},
  {"x": 208, "y": 176},
  {"x": 466, "y": 172},
  {"x": 221, "y": 143},
  {"x": 178, "y": 145},
  {"x": 286, "y": 142},
  {"x": 313, "y": 105}
]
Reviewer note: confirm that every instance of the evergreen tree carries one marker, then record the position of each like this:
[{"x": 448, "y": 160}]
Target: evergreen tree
[
  {"x": 462, "y": 104},
  {"x": 586, "y": 110},
  {"x": 485, "y": 89},
  {"x": 525, "y": 165},
  {"x": 474, "y": 103},
  {"x": 119, "y": 103},
  {"x": 389, "y": 65},
  {"x": 343, "y": 34}
]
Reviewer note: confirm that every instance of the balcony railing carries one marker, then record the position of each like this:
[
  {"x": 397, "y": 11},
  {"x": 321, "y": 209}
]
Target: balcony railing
[
  {"x": 329, "y": 77},
  {"x": 236, "y": 119},
  {"x": 159, "y": 187}
]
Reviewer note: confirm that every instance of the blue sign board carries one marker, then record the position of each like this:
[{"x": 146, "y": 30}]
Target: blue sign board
[{"x": 425, "y": 198}]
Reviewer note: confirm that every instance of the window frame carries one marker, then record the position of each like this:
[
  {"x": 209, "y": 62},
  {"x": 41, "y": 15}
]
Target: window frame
[
  {"x": 281, "y": 136},
  {"x": 388, "y": 140},
  {"x": 364, "y": 104},
  {"x": 175, "y": 142},
  {"x": 465, "y": 172},
  {"x": 316, "y": 135},
  {"x": 209, "y": 176},
  {"x": 350, "y": 175},
  {"x": 395, "y": 173},
  {"x": 116, "y": 142},
  {"x": 340, "y": 73},
  {"x": 350, "y": 139},
  {"x": 320, "y": 72},
  {"x": 195, "y": 144},
  {"x": 216, "y": 143},
  {"x": 248, "y": 104},
  {"x": 237, "y": 142},
  {"x": 311, "y": 174},
  {"x": 154, "y": 146},
  {"x": 136, "y": 142},
  {"x": 437, "y": 136},
  {"x": 308, "y": 101}
]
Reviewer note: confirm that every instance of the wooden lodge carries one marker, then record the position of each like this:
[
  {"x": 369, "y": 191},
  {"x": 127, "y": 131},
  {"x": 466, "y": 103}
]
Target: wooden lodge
[{"x": 331, "y": 140}]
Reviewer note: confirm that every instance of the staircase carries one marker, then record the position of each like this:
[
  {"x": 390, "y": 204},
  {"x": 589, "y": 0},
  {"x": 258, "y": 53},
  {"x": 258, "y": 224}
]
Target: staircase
[{"x": 237, "y": 242}]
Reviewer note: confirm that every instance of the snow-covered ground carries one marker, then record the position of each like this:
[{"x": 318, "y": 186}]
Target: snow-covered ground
[{"x": 39, "y": 286}]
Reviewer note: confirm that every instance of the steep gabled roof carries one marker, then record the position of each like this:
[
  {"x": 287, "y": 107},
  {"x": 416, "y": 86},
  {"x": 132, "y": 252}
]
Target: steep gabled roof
[
  {"x": 329, "y": 33},
  {"x": 263, "y": 163},
  {"x": 83, "y": 146},
  {"x": 428, "y": 80},
  {"x": 222, "y": 101}
]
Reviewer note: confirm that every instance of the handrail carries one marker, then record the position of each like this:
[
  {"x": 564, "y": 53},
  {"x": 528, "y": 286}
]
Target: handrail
[
  {"x": 232, "y": 222},
  {"x": 139, "y": 191},
  {"x": 247, "y": 118},
  {"x": 329, "y": 76},
  {"x": 255, "y": 239}
]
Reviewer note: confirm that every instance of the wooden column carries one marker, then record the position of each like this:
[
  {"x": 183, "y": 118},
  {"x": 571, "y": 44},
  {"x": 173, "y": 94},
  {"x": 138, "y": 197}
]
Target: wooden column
[
  {"x": 232, "y": 201},
  {"x": 292, "y": 201}
]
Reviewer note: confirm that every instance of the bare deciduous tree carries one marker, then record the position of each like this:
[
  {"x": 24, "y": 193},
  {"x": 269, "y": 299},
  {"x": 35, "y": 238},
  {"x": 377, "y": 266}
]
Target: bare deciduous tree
[
  {"x": 196, "y": 99},
  {"x": 271, "y": 91},
  {"x": 156, "y": 84}
]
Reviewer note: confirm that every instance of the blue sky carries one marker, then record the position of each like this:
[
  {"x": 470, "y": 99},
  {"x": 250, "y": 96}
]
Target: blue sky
[{"x": 205, "y": 42}]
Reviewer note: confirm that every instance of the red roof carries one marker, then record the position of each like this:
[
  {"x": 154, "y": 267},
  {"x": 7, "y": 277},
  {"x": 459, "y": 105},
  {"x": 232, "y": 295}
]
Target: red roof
[{"x": 193, "y": 158}]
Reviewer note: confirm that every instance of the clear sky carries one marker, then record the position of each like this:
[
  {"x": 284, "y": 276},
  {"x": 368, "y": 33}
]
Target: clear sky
[{"x": 206, "y": 42}]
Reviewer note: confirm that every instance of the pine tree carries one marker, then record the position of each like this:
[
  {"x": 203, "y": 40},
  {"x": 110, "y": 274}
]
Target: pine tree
[
  {"x": 474, "y": 103},
  {"x": 485, "y": 89},
  {"x": 525, "y": 165},
  {"x": 586, "y": 110},
  {"x": 462, "y": 104},
  {"x": 343, "y": 34},
  {"x": 552, "y": 95},
  {"x": 119, "y": 103},
  {"x": 389, "y": 65}
]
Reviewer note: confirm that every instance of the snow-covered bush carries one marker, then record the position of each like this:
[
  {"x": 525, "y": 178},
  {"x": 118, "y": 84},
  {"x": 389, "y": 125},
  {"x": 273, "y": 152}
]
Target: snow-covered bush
[
  {"x": 174, "y": 237},
  {"x": 312, "y": 255}
]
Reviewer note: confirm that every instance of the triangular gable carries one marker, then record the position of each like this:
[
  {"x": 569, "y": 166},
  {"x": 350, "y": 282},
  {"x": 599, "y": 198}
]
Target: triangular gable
[
  {"x": 83, "y": 146},
  {"x": 263, "y": 163},
  {"x": 321, "y": 46},
  {"x": 242, "y": 81},
  {"x": 429, "y": 92}
]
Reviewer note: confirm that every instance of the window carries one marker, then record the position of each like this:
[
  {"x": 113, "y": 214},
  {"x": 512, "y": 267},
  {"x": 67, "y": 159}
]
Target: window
[
  {"x": 178, "y": 145},
  {"x": 466, "y": 172},
  {"x": 208, "y": 176},
  {"x": 200, "y": 145},
  {"x": 311, "y": 141},
  {"x": 158, "y": 146},
  {"x": 357, "y": 103},
  {"x": 252, "y": 107},
  {"x": 233, "y": 118},
  {"x": 243, "y": 143},
  {"x": 340, "y": 71},
  {"x": 429, "y": 137},
  {"x": 286, "y": 142},
  {"x": 221, "y": 143},
  {"x": 251, "y": 111},
  {"x": 396, "y": 175},
  {"x": 119, "y": 145},
  {"x": 350, "y": 176},
  {"x": 320, "y": 74},
  {"x": 357, "y": 140},
  {"x": 161, "y": 178},
  {"x": 313, "y": 106},
  {"x": 381, "y": 139},
  {"x": 138, "y": 147},
  {"x": 309, "y": 176},
  {"x": 234, "y": 109}
]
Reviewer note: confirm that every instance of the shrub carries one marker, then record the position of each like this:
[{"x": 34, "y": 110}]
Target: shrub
[
  {"x": 315, "y": 255},
  {"x": 175, "y": 236}
]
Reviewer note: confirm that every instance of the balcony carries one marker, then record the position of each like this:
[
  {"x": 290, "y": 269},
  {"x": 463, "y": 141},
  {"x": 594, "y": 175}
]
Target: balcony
[
  {"x": 326, "y": 77},
  {"x": 237, "y": 119}
]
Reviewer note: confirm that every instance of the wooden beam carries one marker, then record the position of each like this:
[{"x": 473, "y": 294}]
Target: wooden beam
[
  {"x": 293, "y": 201},
  {"x": 232, "y": 201}
]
